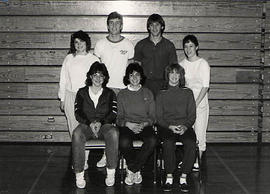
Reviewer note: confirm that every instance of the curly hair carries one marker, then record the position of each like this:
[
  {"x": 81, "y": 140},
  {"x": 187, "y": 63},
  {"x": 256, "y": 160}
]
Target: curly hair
[{"x": 82, "y": 36}]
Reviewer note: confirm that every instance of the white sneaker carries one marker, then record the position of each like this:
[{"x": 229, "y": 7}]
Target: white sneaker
[
  {"x": 137, "y": 177},
  {"x": 102, "y": 162},
  {"x": 110, "y": 178},
  {"x": 129, "y": 180},
  {"x": 80, "y": 182}
]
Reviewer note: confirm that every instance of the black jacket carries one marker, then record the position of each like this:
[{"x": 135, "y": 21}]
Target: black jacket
[{"x": 105, "y": 112}]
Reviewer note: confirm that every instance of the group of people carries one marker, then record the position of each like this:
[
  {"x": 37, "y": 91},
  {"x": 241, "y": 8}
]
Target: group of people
[{"x": 120, "y": 92}]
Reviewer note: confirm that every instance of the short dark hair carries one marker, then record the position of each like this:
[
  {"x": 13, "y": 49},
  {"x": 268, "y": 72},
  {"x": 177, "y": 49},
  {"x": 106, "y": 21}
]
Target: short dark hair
[
  {"x": 179, "y": 69},
  {"x": 130, "y": 69},
  {"x": 97, "y": 67},
  {"x": 193, "y": 39},
  {"x": 82, "y": 36},
  {"x": 114, "y": 15},
  {"x": 155, "y": 18}
]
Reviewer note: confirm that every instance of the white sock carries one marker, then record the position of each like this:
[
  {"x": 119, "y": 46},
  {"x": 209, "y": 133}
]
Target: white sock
[
  {"x": 196, "y": 165},
  {"x": 183, "y": 180},
  {"x": 80, "y": 175},
  {"x": 110, "y": 171},
  {"x": 169, "y": 180}
]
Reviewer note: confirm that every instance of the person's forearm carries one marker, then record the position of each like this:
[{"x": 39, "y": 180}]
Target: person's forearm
[{"x": 202, "y": 94}]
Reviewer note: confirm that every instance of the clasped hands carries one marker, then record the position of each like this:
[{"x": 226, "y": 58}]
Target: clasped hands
[
  {"x": 178, "y": 129},
  {"x": 135, "y": 127},
  {"x": 95, "y": 127}
]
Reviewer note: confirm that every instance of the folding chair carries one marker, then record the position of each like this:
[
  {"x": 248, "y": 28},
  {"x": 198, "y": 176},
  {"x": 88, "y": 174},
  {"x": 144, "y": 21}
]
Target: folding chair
[
  {"x": 178, "y": 143},
  {"x": 100, "y": 144}
]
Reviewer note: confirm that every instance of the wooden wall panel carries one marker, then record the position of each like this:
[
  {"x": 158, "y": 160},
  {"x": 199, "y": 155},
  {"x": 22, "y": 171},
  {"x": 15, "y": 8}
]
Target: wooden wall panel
[
  {"x": 61, "y": 40},
  {"x": 35, "y": 35},
  {"x": 55, "y": 57},
  {"x": 58, "y": 123},
  {"x": 249, "y": 8},
  {"x": 33, "y": 123},
  {"x": 131, "y": 24},
  {"x": 51, "y": 107},
  {"x": 52, "y": 74},
  {"x": 50, "y": 90}
]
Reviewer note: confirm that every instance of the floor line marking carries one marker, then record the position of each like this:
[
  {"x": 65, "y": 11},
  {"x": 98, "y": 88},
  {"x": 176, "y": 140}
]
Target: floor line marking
[
  {"x": 40, "y": 174},
  {"x": 230, "y": 171}
]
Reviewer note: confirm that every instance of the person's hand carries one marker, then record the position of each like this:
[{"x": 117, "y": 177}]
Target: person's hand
[
  {"x": 95, "y": 126},
  {"x": 62, "y": 106},
  {"x": 174, "y": 128},
  {"x": 181, "y": 129},
  {"x": 135, "y": 127}
]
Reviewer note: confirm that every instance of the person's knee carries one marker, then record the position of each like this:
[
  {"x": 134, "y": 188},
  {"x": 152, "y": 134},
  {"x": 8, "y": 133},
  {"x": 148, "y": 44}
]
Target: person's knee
[
  {"x": 77, "y": 134},
  {"x": 190, "y": 143},
  {"x": 152, "y": 141},
  {"x": 124, "y": 143},
  {"x": 168, "y": 145}
]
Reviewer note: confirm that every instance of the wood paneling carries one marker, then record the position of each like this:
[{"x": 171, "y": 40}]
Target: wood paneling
[
  {"x": 213, "y": 137},
  {"x": 250, "y": 8},
  {"x": 56, "y": 57},
  {"x": 51, "y": 107},
  {"x": 266, "y": 108},
  {"x": 33, "y": 123},
  {"x": 58, "y": 123},
  {"x": 50, "y": 90},
  {"x": 62, "y": 40},
  {"x": 228, "y": 137},
  {"x": 131, "y": 24},
  {"x": 34, "y": 136},
  {"x": 51, "y": 74}
]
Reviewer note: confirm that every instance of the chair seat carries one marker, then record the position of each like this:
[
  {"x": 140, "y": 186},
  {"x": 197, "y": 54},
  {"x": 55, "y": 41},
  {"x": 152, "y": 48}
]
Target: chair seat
[{"x": 100, "y": 144}]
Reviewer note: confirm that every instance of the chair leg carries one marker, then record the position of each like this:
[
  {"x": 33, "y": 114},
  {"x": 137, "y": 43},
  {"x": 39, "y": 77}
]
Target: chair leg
[
  {"x": 155, "y": 166},
  {"x": 122, "y": 168}
]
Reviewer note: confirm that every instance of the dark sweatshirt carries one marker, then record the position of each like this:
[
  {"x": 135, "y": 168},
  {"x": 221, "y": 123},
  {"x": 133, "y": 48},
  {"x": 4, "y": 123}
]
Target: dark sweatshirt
[{"x": 175, "y": 106}]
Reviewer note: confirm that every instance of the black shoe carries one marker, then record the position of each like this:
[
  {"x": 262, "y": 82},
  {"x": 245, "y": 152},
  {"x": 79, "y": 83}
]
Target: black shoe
[
  {"x": 167, "y": 187},
  {"x": 184, "y": 187}
]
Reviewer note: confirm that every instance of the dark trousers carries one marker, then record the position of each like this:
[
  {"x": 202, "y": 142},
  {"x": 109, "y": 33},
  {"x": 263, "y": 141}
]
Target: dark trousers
[
  {"x": 82, "y": 133},
  {"x": 136, "y": 161},
  {"x": 168, "y": 149}
]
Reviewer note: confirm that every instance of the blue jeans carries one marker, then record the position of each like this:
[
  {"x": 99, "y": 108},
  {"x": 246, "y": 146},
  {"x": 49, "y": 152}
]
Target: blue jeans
[{"x": 83, "y": 133}]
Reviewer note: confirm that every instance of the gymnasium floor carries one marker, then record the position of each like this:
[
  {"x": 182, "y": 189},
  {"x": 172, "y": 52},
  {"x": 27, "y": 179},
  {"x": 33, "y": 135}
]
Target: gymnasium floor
[{"x": 45, "y": 168}]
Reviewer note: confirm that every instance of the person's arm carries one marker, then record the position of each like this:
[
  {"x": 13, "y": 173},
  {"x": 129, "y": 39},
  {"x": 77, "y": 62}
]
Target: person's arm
[
  {"x": 159, "y": 112},
  {"x": 191, "y": 110},
  {"x": 152, "y": 110},
  {"x": 120, "y": 110},
  {"x": 138, "y": 53},
  {"x": 62, "y": 84},
  {"x": 201, "y": 95},
  {"x": 79, "y": 114},
  {"x": 112, "y": 113},
  {"x": 173, "y": 55}
]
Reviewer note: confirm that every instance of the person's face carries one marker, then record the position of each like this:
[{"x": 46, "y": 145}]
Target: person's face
[
  {"x": 190, "y": 49},
  {"x": 97, "y": 79},
  {"x": 155, "y": 29},
  {"x": 115, "y": 26},
  {"x": 80, "y": 45},
  {"x": 174, "y": 78},
  {"x": 135, "y": 78}
]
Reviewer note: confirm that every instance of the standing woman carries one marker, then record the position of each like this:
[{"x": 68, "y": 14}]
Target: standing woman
[
  {"x": 73, "y": 76},
  {"x": 197, "y": 79},
  {"x": 95, "y": 110},
  {"x": 135, "y": 118},
  {"x": 176, "y": 113}
]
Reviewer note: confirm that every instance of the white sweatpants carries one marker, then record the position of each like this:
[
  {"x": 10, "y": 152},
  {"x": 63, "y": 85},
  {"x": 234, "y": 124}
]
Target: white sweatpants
[{"x": 200, "y": 126}]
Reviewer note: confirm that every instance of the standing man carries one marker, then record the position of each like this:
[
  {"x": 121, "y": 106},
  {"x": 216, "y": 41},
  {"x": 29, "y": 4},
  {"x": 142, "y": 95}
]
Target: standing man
[
  {"x": 154, "y": 53},
  {"x": 116, "y": 52}
]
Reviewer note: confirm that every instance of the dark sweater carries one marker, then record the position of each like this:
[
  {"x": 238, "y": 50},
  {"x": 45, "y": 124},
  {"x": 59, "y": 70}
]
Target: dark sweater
[
  {"x": 105, "y": 111},
  {"x": 135, "y": 106},
  {"x": 175, "y": 106}
]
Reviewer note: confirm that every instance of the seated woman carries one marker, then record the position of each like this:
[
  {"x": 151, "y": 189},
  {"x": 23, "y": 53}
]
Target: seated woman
[
  {"x": 176, "y": 113},
  {"x": 135, "y": 118},
  {"x": 95, "y": 110}
]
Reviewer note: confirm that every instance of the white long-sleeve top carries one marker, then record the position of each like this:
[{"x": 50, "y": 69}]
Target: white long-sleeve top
[{"x": 73, "y": 73}]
